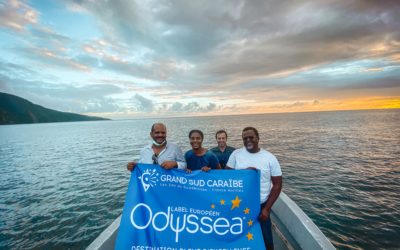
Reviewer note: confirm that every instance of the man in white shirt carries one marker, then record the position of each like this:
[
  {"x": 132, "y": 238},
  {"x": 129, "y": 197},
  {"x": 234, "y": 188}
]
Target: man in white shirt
[
  {"x": 166, "y": 154},
  {"x": 251, "y": 156}
]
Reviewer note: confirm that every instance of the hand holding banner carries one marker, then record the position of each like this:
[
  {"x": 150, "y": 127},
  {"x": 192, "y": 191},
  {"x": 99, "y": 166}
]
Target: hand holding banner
[{"x": 171, "y": 209}]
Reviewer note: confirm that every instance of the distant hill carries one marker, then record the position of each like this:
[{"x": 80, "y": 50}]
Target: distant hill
[{"x": 15, "y": 110}]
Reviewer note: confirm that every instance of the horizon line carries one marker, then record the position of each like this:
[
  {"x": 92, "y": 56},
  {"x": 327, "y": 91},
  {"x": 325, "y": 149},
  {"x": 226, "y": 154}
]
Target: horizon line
[{"x": 265, "y": 113}]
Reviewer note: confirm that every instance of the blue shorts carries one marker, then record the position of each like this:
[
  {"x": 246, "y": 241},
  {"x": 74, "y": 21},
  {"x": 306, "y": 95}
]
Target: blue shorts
[{"x": 267, "y": 230}]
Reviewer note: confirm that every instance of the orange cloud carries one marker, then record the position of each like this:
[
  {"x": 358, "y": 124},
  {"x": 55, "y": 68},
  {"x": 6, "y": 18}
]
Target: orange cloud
[
  {"x": 373, "y": 70},
  {"x": 320, "y": 105}
]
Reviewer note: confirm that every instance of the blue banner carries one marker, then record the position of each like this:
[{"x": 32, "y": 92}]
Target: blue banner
[{"x": 171, "y": 209}]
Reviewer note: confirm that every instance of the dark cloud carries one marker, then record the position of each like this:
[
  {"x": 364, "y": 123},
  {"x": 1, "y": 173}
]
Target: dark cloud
[
  {"x": 382, "y": 83},
  {"x": 211, "y": 107},
  {"x": 176, "y": 107},
  {"x": 16, "y": 70},
  {"x": 292, "y": 105},
  {"x": 192, "y": 107},
  {"x": 231, "y": 40},
  {"x": 244, "y": 51},
  {"x": 63, "y": 97},
  {"x": 143, "y": 104},
  {"x": 180, "y": 29},
  {"x": 101, "y": 105},
  {"x": 342, "y": 38}
]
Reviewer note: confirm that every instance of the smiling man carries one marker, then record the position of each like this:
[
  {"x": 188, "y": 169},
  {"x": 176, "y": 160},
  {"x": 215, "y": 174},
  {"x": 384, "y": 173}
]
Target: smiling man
[
  {"x": 223, "y": 151},
  {"x": 251, "y": 156},
  {"x": 166, "y": 154}
]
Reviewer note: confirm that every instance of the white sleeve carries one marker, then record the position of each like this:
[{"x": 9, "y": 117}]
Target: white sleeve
[
  {"x": 180, "y": 159},
  {"x": 232, "y": 160},
  {"x": 142, "y": 155},
  {"x": 275, "y": 167}
]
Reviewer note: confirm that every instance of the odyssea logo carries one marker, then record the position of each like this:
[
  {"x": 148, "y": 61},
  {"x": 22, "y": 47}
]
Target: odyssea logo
[
  {"x": 148, "y": 178},
  {"x": 221, "y": 220}
]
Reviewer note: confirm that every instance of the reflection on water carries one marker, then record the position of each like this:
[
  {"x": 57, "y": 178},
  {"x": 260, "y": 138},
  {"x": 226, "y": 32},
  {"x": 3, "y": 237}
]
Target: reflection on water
[{"x": 61, "y": 184}]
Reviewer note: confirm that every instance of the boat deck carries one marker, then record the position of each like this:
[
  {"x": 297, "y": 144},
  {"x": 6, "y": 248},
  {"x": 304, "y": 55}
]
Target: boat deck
[{"x": 279, "y": 244}]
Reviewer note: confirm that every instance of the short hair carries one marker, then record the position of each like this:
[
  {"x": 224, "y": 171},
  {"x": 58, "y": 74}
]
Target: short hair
[
  {"x": 251, "y": 128},
  {"x": 220, "y": 132},
  {"x": 196, "y": 131},
  {"x": 157, "y": 123}
]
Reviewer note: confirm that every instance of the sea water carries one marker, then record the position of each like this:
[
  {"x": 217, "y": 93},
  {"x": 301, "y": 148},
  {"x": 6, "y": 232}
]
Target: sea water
[{"x": 62, "y": 184}]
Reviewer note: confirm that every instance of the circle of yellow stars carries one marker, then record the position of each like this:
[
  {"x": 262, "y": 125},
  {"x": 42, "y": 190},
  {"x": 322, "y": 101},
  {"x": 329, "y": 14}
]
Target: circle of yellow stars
[{"x": 235, "y": 204}]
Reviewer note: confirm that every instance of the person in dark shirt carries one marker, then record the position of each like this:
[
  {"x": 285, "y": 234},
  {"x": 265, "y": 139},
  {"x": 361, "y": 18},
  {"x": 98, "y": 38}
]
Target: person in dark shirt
[
  {"x": 223, "y": 151},
  {"x": 199, "y": 157}
]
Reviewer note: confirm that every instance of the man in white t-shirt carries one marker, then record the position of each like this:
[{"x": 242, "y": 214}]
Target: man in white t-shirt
[{"x": 251, "y": 156}]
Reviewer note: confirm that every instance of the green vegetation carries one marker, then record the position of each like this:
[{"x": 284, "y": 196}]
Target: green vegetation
[{"x": 16, "y": 110}]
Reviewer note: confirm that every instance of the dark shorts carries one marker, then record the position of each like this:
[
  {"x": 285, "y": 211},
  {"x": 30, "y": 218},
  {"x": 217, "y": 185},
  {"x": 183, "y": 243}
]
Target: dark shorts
[{"x": 266, "y": 230}]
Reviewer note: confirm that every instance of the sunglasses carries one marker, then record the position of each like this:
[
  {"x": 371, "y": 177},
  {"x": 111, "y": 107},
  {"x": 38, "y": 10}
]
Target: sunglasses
[
  {"x": 155, "y": 159},
  {"x": 248, "y": 138}
]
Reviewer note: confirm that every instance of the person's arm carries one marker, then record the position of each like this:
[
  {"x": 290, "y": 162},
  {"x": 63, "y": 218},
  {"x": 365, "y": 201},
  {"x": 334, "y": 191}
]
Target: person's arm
[
  {"x": 274, "y": 194},
  {"x": 131, "y": 165},
  {"x": 169, "y": 164},
  {"x": 214, "y": 162},
  {"x": 230, "y": 165},
  {"x": 180, "y": 159}
]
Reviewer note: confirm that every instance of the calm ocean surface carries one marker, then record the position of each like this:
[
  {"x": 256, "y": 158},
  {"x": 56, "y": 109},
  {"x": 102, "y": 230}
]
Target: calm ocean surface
[{"x": 61, "y": 184}]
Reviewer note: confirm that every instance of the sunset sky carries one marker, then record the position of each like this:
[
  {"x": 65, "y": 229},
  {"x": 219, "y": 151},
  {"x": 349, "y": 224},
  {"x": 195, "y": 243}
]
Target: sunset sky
[{"x": 129, "y": 59}]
